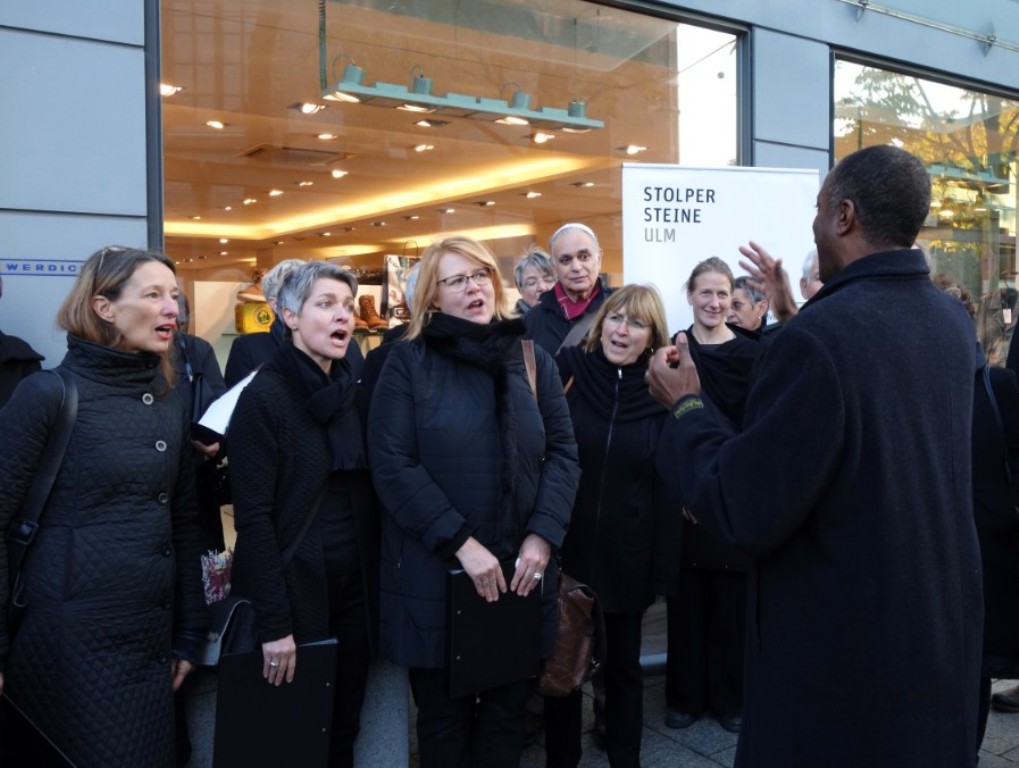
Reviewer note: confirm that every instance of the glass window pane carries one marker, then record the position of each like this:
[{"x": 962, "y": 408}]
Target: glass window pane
[{"x": 968, "y": 140}]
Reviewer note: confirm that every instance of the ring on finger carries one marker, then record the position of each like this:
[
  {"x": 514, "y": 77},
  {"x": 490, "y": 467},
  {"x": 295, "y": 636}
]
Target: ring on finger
[{"x": 537, "y": 576}]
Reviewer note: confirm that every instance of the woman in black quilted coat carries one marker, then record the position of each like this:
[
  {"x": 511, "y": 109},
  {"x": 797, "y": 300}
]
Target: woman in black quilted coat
[
  {"x": 472, "y": 468},
  {"x": 623, "y": 523},
  {"x": 113, "y": 580},
  {"x": 296, "y": 450}
]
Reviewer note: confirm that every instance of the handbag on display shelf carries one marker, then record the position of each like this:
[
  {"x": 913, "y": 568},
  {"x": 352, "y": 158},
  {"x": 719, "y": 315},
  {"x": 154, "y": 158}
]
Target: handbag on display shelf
[{"x": 579, "y": 648}]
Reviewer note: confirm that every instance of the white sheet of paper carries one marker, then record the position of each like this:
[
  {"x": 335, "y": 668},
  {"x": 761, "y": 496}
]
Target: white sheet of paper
[{"x": 217, "y": 416}]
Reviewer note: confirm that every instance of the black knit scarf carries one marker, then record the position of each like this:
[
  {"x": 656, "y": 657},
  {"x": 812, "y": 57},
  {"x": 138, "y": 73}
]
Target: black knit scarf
[
  {"x": 488, "y": 347},
  {"x": 596, "y": 380},
  {"x": 330, "y": 402}
]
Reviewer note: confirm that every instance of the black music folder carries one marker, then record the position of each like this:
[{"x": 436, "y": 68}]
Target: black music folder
[
  {"x": 258, "y": 724},
  {"x": 491, "y": 644}
]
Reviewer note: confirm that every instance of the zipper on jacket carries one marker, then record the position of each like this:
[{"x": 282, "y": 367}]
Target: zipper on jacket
[{"x": 605, "y": 457}]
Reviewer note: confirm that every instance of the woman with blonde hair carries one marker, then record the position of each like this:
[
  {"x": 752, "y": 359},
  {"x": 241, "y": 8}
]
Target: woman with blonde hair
[
  {"x": 474, "y": 469},
  {"x": 624, "y": 529}
]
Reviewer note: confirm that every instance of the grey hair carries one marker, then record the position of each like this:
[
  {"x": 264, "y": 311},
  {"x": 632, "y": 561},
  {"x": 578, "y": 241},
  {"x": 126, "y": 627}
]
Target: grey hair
[
  {"x": 273, "y": 279},
  {"x": 573, "y": 225},
  {"x": 301, "y": 279},
  {"x": 808, "y": 265},
  {"x": 535, "y": 257},
  {"x": 754, "y": 293}
]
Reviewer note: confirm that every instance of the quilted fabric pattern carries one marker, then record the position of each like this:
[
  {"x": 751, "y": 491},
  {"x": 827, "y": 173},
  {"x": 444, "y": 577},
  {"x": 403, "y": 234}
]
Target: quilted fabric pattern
[{"x": 115, "y": 564}]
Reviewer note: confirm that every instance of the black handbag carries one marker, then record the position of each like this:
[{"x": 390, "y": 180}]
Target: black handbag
[
  {"x": 24, "y": 527},
  {"x": 233, "y": 620}
]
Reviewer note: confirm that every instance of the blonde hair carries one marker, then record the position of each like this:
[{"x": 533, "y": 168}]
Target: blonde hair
[
  {"x": 713, "y": 264},
  {"x": 427, "y": 289},
  {"x": 640, "y": 302}
]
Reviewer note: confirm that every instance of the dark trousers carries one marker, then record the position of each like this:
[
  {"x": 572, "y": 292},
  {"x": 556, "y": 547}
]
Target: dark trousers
[
  {"x": 624, "y": 702},
  {"x": 706, "y": 640},
  {"x": 483, "y": 731},
  {"x": 348, "y": 624}
]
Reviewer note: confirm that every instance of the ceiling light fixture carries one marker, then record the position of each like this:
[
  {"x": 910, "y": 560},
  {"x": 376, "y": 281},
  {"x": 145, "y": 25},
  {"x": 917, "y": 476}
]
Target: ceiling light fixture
[
  {"x": 250, "y": 201},
  {"x": 419, "y": 98},
  {"x": 336, "y": 173},
  {"x": 305, "y": 183},
  {"x": 447, "y": 210},
  {"x": 412, "y": 217},
  {"x": 424, "y": 147},
  {"x": 327, "y": 136},
  {"x": 582, "y": 184},
  {"x": 532, "y": 195},
  {"x": 275, "y": 192},
  {"x": 541, "y": 138},
  {"x": 632, "y": 149},
  {"x": 486, "y": 203},
  {"x": 219, "y": 125},
  {"x": 429, "y": 122},
  {"x": 223, "y": 240},
  {"x": 167, "y": 89}
]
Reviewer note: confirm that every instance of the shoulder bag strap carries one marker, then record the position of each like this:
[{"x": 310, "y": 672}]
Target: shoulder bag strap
[
  {"x": 23, "y": 528},
  {"x": 531, "y": 365},
  {"x": 997, "y": 417}
]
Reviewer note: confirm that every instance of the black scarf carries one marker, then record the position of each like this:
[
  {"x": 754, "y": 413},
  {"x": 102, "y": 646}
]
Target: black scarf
[
  {"x": 595, "y": 379},
  {"x": 726, "y": 372},
  {"x": 488, "y": 347},
  {"x": 330, "y": 402}
]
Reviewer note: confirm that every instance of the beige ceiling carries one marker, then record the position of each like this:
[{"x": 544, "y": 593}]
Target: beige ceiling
[{"x": 248, "y": 63}]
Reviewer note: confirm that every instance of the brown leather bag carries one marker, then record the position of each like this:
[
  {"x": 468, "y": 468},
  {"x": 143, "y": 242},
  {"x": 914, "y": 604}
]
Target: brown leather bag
[{"x": 579, "y": 648}]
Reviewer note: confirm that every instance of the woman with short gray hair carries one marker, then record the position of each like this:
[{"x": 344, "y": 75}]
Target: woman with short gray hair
[{"x": 533, "y": 274}]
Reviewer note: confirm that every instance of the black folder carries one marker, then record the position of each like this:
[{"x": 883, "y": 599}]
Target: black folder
[
  {"x": 258, "y": 724},
  {"x": 491, "y": 644}
]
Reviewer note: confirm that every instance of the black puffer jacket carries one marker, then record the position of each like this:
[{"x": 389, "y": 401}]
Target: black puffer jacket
[
  {"x": 437, "y": 437},
  {"x": 548, "y": 325},
  {"x": 115, "y": 567}
]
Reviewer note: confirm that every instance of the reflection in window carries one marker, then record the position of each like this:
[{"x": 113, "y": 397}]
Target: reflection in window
[{"x": 969, "y": 140}]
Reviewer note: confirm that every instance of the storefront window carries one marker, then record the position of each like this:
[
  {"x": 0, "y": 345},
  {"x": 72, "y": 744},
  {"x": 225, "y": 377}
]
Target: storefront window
[
  {"x": 260, "y": 166},
  {"x": 969, "y": 140}
]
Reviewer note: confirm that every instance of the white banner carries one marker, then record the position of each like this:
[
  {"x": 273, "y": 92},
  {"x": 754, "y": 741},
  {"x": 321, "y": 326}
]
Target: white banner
[{"x": 676, "y": 216}]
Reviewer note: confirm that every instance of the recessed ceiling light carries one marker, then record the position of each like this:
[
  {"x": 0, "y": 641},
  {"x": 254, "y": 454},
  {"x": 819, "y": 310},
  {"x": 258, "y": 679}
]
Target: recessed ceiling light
[
  {"x": 447, "y": 210},
  {"x": 167, "y": 89},
  {"x": 219, "y": 125},
  {"x": 223, "y": 241},
  {"x": 431, "y": 123},
  {"x": 582, "y": 184},
  {"x": 486, "y": 203},
  {"x": 196, "y": 218},
  {"x": 327, "y": 234},
  {"x": 310, "y": 108},
  {"x": 424, "y": 147},
  {"x": 277, "y": 242},
  {"x": 338, "y": 174},
  {"x": 412, "y": 217},
  {"x": 512, "y": 120},
  {"x": 221, "y": 253},
  {"x": 327, "y": 136},
  {"x": 415, "y": 108},
  {"x": 532, "y": 195},
  {"x": 540, "y": 137},
  {"x": 275, "y": 192},
  {"x": 250, "y": 200},
  {"x": 228, "y": 207},
  {"x": 632, "y": 149},
  {"x": 377, "y": 224},
  {"x": 305, "y": 183}
]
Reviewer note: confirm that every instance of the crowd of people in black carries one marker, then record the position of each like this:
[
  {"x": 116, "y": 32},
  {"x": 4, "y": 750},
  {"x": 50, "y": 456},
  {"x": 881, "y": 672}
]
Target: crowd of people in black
[{"x": 826, "y": 502}]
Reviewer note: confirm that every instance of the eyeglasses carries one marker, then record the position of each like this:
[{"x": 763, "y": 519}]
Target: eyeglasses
[
  {"x": 617, "y": 318},
  {"x": 458, "y": 283}
]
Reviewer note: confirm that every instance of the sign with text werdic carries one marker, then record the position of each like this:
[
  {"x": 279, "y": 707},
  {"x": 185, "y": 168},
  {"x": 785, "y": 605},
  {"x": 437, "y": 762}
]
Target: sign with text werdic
[{"x": 676, "y": 216}]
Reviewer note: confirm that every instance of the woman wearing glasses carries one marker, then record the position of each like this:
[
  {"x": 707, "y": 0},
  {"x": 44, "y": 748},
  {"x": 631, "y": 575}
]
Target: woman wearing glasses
[
  {"x": 563, "y": 315},
  {"x": 472, "y": 468},
  {"x": 620, "y": 527}
]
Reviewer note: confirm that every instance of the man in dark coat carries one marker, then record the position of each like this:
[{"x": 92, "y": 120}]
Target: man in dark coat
[
  {"x": 563, "y": 315},
  {"x": 851, "y": 486}
]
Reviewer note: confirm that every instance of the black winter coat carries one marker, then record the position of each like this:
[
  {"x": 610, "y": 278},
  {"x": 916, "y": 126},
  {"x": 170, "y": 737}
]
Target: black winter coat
[
  {"x": 436, "y": 454},
  {"x": 547, "y": 324},
  {"x": 994, "y": 508},
  {"x": 852, "y": 485},
  {"x": 115, "y": 568},
  {"x": 280, "y": 462},
  {"x": 624, "y": 529}
]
